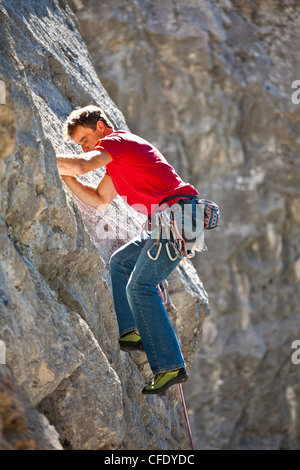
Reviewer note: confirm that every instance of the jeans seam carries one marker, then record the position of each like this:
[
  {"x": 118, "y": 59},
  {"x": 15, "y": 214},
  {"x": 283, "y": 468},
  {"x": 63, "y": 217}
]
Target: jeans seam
[
  {"x": 143, "y": 318},
  {"x": 128, "y": 330},
  {"x": 161, "y": 371},
  {"x": 128, "y": 257},
  {"x": 123, "y": 268},
  {"x": 146, "y": 330},
  {"x": 157, "y": 365},
  {"x": 138, "y": 277}
]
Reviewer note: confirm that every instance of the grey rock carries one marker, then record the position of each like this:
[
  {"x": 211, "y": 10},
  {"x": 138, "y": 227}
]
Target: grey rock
[
  {"x": 57, "y": 319},
  {"x": 21, "y": 426},
  {"x": 211, "y": 84}
]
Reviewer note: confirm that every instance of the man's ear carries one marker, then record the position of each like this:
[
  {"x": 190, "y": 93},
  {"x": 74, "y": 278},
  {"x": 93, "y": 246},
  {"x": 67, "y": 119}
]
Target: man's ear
[{"x": 100, "y": 126}]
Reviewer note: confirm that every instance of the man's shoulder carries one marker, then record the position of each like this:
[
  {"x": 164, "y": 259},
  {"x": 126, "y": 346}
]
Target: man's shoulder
[
  {"x": 122, "y": 132},
  {"x": 117, "y": 135},
  {"x": 127, "y": 140}
]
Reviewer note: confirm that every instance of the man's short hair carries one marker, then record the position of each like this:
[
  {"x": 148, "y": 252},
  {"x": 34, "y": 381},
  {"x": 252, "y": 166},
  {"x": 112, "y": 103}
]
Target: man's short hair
[{"x": 86, "y": 117}]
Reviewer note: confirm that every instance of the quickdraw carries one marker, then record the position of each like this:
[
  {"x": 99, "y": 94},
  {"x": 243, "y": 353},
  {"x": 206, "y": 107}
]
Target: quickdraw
[
  {"x": 175, "y": 241},
  {"x": 178, "y": 243},
  {"x": 156, "y": 243}
]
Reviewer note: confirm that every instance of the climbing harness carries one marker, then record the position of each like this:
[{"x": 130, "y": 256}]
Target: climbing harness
[{"x": 176, "y": 245}]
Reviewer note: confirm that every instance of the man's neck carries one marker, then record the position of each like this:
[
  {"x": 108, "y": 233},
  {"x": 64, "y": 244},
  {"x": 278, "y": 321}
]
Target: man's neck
[{"x": 108, "y": 131}]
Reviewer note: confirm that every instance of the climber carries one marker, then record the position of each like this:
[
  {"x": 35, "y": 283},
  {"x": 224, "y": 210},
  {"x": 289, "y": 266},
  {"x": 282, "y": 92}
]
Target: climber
[{"x": 140, "y": 174}]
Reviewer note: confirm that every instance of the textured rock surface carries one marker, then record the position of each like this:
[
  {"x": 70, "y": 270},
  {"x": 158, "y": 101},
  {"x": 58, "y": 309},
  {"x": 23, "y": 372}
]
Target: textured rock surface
[
  {"x": 21, "y": 427},
  {"x": 210, "y": 82},
  {"x": 56, "y": 313}
]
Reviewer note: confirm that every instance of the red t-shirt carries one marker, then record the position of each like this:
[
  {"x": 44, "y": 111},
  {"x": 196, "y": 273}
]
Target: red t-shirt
[{"x": 140, "y": 173}]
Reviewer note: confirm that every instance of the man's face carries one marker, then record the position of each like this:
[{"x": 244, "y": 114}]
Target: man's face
[{"x": 87, "y": 137}]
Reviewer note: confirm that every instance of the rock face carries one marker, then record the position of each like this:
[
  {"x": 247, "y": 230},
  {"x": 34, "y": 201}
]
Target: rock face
[
  {"x": 22, "y": 428},
  {"x": 214, "y": 85},
  {"x": 65, "y": 380}
]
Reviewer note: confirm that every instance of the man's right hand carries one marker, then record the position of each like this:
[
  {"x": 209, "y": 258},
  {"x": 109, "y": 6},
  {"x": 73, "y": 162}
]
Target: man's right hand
[
  {"x": 99, "y": 197},
  {"x": 75, "y": 165}
]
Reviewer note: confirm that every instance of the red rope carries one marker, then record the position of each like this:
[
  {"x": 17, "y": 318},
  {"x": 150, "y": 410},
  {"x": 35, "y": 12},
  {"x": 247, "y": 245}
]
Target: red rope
[
  {"x": 180, "y": 390},
  {"x": 186, "y": 416}
]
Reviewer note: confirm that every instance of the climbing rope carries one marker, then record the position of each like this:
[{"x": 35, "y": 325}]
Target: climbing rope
[
  {"x": 163, "y": 294},
  {"x": 177, "y": 242},
  {"x": 186, "y": 416}
]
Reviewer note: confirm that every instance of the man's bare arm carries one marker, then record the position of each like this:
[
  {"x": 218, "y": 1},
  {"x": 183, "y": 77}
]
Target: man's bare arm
[
  {"x": 99, "y": 197},
  {"x": 72, "y": 165}
]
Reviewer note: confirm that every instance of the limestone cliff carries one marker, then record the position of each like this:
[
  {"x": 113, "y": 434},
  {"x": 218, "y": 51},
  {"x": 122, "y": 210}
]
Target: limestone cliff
[
  {"x": 210, "y": 83},
  {"x": 65, "y": 384}
]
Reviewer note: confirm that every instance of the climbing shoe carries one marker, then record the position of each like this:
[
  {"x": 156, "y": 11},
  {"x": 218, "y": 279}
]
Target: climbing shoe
[
  {"x": 163, "y": 381},
  {"x": 131, "y": 342}
]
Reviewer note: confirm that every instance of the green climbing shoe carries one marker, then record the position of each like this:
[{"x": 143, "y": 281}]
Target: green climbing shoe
[
  {"x": 131, "y": 342},
  {"x": 163, "y": 381}
]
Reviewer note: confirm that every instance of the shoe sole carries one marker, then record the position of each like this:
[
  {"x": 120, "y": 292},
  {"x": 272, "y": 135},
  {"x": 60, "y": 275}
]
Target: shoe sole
[
  {"x": 163, "y": 388},
  {"x": 128, "y": 346}
]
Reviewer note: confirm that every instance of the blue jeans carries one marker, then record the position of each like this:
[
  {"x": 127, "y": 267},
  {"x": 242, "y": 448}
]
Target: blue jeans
[{"x": 138, "y": 304}]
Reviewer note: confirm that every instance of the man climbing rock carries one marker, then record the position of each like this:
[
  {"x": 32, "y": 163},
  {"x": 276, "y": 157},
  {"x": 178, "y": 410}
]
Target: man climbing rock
[{"x": 140, "y": 174}]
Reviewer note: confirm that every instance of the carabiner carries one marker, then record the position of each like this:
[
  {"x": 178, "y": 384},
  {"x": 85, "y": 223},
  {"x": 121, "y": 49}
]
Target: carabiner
[
  {"x": 158, "y": 251},
  {"x": 168, "y": 251}
]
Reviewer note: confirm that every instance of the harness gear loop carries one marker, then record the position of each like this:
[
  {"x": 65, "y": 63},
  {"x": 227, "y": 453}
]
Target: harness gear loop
[
  {"x": 178, "y": 240},
  {"x": 175, "y": 239},
  {"x": 156, "y": 243}
]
